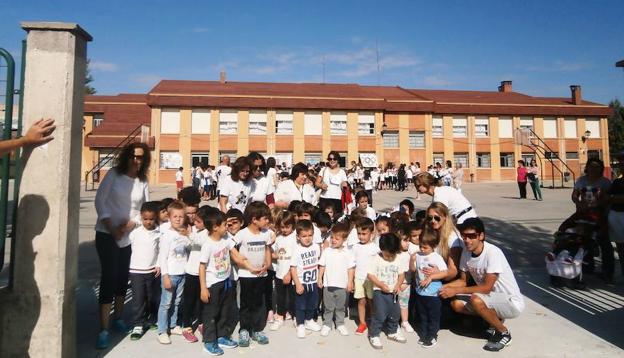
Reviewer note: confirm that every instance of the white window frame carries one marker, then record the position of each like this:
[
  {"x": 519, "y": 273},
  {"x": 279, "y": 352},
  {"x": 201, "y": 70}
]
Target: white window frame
[
  {"x": 437, "y": 127},
  {"x": 415, "y": 138},
  {"x": 570, "y": 127},
  {"x": 389, "y": 139},
  {"x": 505, "y": 127},
  {"x": 257, "y": 122},
  {"x": 527, "y": 123},
  {"x": 284, "y": 122},
  {"x": 510, "y": 163},
  {"x": 480, "y": 159},
  {"x": 98, "y": 118},
  {"x": 170, "y": 160},
  {"x": 228, "y": 121},
  {"x": 103, "y": 153},
  {"x": 550, "y": 127},
  {"x": 312, "y": 158},
  {"x": 200, "y": 121},
  {"x": 482, "y": 127},
  {"x": 338, "y": 123},
  {"x": 460, "y": 127},
  {"x": 313, "y": 123},
  {"x": 366, "y": 123},
  {"x": 462, "y": 158},
  {"x": 170, "y": 121},
  {"x": 200, "y": 155},
  {"x": 438, "y": 158},
  {"x": 593, "y": 125}
]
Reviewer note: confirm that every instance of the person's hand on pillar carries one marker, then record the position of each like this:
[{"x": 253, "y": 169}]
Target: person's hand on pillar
[{"x": 39, "y": 133}]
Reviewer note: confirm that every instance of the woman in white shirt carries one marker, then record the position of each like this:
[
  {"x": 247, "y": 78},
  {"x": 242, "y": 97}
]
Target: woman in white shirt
[
  {"x": 237, "y": 188},
  {"x": 332, "y": 180},
  {"x": 272, "y": 173},
  {"x": 117, "y": 203},
  {"x": 459, "y": 207},
  {"x": 264, "y": 190},
  {"x": 294, "y": 188},
  {"x": 439, "y": 221}
]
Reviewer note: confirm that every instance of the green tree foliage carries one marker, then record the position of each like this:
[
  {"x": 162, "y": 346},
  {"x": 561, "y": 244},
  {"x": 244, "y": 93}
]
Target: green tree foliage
[
  {"x": 88, "y": 79},
  {"x": 616, "y": 128}
]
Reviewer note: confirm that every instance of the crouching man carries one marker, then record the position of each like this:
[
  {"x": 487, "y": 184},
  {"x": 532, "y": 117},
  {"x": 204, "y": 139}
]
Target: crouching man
[{"x": 496, "y": 295}]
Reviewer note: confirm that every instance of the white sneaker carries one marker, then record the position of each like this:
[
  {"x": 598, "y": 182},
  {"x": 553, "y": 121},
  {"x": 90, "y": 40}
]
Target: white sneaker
[
  {"x": 311, "y": 325},
  {"x": 163, "y": 338},
  {"x": 276, "y": 325},
  {"x": 301, "y": 331},
  {"x": 407, "y": 327},
  {"x": 325, "y": 331},
  {"x": 397, "y": 337},
  {"x": 342, "y": 330},
  {"x": 375, "y": 342},
  {"x": 177, "y": 330}
]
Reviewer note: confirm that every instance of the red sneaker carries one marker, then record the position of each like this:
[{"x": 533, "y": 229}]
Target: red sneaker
[
  {"x": 189, "y": 336},
  {"x": 361, "y": 328}
]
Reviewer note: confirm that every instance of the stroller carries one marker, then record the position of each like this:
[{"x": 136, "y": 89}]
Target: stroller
[{"x": 575, "y": 241}]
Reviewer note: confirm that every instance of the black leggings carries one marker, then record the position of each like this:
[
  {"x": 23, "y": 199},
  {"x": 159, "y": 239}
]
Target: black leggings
[
  {"x": 285, "y": 297},
  {"x": 115, "y": 266},
  {"x": 191, "y": 304}
]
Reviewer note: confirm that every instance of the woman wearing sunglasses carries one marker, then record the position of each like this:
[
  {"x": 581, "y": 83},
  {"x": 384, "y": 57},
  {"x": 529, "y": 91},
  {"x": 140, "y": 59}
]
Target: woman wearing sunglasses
[
  {"x": 457, "y": 204},
  {"x": 238, "y": 187},
  {"x": 331, "y": 180},
  {"x": 263, "y": 185},
  {"x": 440, "y": 222}
]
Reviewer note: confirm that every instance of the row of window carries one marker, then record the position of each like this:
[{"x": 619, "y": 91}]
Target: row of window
[{"x": 228, "y": 122}]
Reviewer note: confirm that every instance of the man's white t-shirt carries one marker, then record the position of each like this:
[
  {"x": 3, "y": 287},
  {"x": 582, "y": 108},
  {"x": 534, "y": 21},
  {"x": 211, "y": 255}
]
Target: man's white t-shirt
[
  {"x": 492, "y": 260},
  {"x": 387, "y": 271},
  {"x": 239, "y": 193},
  {"x": 363, "y": 255},
  {"x": 306, "y": 259},
  {"x": 262, "y": 189},
  {"x": 337, "y": 263},
  {"x": 222, "y": 172},
  {"x": 284, "y": 247},
  {"x": 253, "y": 247},
  {"x": 216, "y": 256},
  {"x": 288, "y": 191},
  {"x": 455, "y": 201},
  {"x": 334, "y": 182}
]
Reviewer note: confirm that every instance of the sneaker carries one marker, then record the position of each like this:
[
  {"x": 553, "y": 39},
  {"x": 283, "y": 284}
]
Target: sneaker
[
  {"x": 163, "y": 338},
  {"x": 490, "y": 332},
  {"x": 276, "y": 325},
  {"x": 243, "y": 338},
  {"x": 397, "y": 337},
  {"x": 361, "y": 329},
  {"x": 325, "y": 331},
  {"x": 200, "y": 329},
  {"x": 260, "y": 337},
  {"x": 177, "y": 330},
  {"x": 137, "y": 333},
  {"x": 270, "y": 317},
  {"x": 189, "y": 336},
  {"x": 102, "y": 340},
  {"x": 498, "y": 342},
  {"x": 311, "y": 325},
  {"x": 301, "y": 331},
  {"x": 421, "y": 341},
  {"x": 342, "y": 330},
  {"x": 430, "y": 343},
  {"x": 288, "y": 317},
  {"x": 227, "y": 343},
  {"x": 375, "y": 342},
  {"x": 407, "y": 327},
  {"x": 213, "y": 349},
  {"x": 120, "y": 326}
]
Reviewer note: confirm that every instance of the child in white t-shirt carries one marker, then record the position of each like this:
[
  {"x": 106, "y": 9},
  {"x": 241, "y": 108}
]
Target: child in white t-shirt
[
  {"x": 144, "y": 271},
  {"x": 427, "y": 287},
  {"x": 364, "y": 251},
  {"x": 362, "y": 199},
  {"x": 179, "y": 179},
  {"x": 337, "y": 271},
  {"x": 304, "y": 273},
  {"x": 282, "y": 252},
  {"x": 405, "y": 291}
]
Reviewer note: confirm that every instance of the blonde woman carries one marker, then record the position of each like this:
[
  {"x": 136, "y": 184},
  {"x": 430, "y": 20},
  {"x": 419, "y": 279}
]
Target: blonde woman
[
  {"x": 459, "y": 207},
  {"x": 440, "y": 222}
]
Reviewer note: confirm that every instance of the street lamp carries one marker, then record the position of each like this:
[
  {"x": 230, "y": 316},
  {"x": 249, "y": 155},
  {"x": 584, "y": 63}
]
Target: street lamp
[
  {"x": 586, "y": 136},
  {"x": 384, "y": 128}
]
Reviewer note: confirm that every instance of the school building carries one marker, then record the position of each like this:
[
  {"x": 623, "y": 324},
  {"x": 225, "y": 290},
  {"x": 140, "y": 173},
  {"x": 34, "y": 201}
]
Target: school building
[{"x": 190, "y": 122}]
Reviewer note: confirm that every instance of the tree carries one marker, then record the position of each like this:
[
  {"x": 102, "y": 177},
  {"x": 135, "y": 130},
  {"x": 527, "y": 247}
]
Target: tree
[
  {"x": 88, "y": 79},
  {"x": 616, "y": 128}
]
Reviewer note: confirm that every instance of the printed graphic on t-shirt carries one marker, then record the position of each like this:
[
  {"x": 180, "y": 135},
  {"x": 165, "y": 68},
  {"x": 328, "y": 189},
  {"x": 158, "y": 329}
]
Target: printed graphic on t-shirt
[
  {"x": 282, "y": 255},
  {"x": 387, "y": 274},
  {"x": 222, "y": 263}
]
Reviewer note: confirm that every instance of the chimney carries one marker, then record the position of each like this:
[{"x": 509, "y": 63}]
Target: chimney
[
  {"x": 576, "y": 94},
  {"x": 505, "y": 86},
  {"x": 222, "y": 77}
]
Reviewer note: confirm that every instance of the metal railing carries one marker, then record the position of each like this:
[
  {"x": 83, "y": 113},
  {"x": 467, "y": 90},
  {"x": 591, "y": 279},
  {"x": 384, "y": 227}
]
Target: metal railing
[{"x": 556, "y": 163}]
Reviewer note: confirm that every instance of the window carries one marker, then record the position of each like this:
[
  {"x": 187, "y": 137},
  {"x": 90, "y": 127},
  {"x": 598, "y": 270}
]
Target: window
[
  {"x": 312, "y": 158},
  {"x": 338, "y": 123},
  {"x": 170, "y": 160},
  {"x": 201, "y": 159},
  {"x": 570, "y": 128},
  {"x": 550, "y": 127},
  {"x": 482, "y": 127},
  {"x": 257, "y": 122},
  {"x": 200, "y": 121},
  {"x": 366, "y": 123},
  {"x": 461, "y": 158},
  {"x": 438, "y": 158},
  {"x": 459, "y": 128},
  {"x": 594, "y": 154},
  {"x": 526, "y": 123},
  {"x": 507, "y": 160},
  {"x": 313, "y": 123},
  {"x": 483, "y": 160},
  {"x": 170, "y": 121},
  {"x": 551, "y": 155},
  {"x": 593, "y": 125},
  {"x": 232, "y": 156},
  {"x": 228, "y": 122},
  {"x": 437, "y": 128},
  {"x": 98, "y": 118},
  {"x": 417, "y": 139},
  {"x": 284, "y": 122},
  {"x": 527, "y": 157},
  {"x": 391, "y": 139},
  {"x": 103, "y": 162},
  {"x": 505, "y": 128},
  {"x": 572, "y": 155}
]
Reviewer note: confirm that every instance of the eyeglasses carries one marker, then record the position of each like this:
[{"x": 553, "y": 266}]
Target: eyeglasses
[
  {"x": 139, "y": 157},
  {"x": 437, "y": 218},
  {"x": 469, "y": 235},
  {"x": 331, "y": 158}
]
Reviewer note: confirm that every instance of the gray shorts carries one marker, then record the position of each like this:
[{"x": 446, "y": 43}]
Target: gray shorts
[{"x": 498, "y": 301}]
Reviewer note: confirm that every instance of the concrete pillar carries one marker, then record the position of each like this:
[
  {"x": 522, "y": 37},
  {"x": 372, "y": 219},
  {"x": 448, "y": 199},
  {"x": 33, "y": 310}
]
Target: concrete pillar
[
  {"x": 214, "y": 137},
  {"x": 447, "y": 122},
  {"x": 39, "y": 312},
  {"x": 379, "y": 148},
  {"x": 298, "y": 137},
  {"x": 472, "y": 146},
  {"x": 352, "y": 137},
  {"x": 271, "y": 115},
  {"x": 186, "y": 115},
  {"x": 404, "y": 138},
  {"x": 428, "y": 142},
  {"x": 155, "y": 128},
  {"x": 494, "y": 150},
  {"x": 87, "y": 153},
  {"x": 326, "y": 139},
  {"x": 243, "y": 133}
]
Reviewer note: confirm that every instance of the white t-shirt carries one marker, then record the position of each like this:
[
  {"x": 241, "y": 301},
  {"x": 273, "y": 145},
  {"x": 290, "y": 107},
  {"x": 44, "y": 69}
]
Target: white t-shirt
[
  {"x": 413, "y": 248},
  {"x": 179, "y": 175},
  {"x": 174, "y": 248},
  {"x": 352, "y": 238},
  {"x": 288, "y": 191},
  {"x": 337, "y": 263},
  {"x": 371, "y": 213},
  {"x": 374, "y": 176},
  {"x": 424, "y": 261},
  {"x": 144, "y": 249},
  {"x": 333, "y": 181},
  {"x": 253, "y": 247},
  {"x": 222, "y": 172},
  {"x": 239, "y": 193},
  {"x": 387, "y": 271},
  {"x": 216, "y": 256},
  {"x": 197, "y": 239},
  {"x": 271, "y": 175},
  {"x": 492, "y": 260},
  {"x": 368, "y": 184},
  {"x": 262, "y": 189},
  {"x": 455, "y": 201},
  {"x": 306, "y": 259},
  {"x": 284, "y": 247},
  {"x": 409, "y": 174},
  {"x": 363, "y": 255}
]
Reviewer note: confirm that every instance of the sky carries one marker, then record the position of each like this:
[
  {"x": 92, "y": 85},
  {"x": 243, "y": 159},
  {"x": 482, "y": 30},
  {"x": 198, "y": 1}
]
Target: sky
[{"x": 542, "y": 46}]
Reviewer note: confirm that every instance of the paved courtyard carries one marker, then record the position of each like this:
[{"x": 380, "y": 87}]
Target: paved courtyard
[{"x": 556, "y": 322}]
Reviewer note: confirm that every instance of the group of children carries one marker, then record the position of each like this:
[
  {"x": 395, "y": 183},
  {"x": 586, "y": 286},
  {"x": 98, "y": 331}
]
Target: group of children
[{"x": 218, "y": 270}]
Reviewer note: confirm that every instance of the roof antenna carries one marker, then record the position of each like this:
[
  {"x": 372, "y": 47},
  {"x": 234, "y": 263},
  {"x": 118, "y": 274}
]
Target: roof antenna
[{"x": 378, "y": 67}]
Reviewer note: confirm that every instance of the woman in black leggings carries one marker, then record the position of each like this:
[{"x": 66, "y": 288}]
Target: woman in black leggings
[{"x": 118, "y": 202}]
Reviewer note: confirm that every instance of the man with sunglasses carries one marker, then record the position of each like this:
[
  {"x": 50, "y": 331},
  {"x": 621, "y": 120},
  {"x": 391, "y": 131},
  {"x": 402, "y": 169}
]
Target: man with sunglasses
[{"x": 496, "y": 295}]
